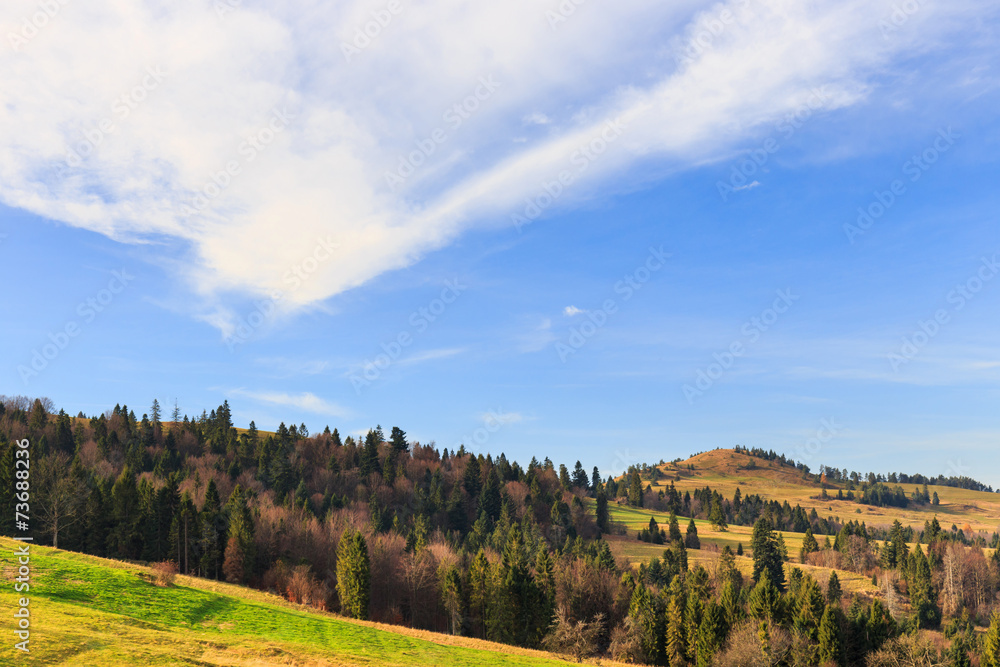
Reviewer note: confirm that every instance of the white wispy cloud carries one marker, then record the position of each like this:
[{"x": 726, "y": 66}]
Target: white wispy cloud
[
  {"x": 281, "y": 162},
  {"x": 430, "y": 355},
  {"x": 307, "y": 402},
  {"x": 572, "y": 310}
]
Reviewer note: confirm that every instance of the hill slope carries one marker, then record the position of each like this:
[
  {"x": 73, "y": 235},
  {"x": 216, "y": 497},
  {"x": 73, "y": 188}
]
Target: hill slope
[
  {"x": 725, "y": 470},
  {"x": 91, "y": 611}
]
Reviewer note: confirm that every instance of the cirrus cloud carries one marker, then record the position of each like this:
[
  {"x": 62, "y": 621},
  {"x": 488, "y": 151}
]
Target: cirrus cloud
[{"x": 260, "y": 137}]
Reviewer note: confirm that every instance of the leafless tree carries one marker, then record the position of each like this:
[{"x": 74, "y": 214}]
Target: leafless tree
[
  {"x": 58, "y": 494},
  {"x": 578, "y": 640}
]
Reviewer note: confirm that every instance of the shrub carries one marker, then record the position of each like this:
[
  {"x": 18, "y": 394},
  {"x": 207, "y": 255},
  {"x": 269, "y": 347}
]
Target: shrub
[
  {"x": 578, "y": 640},
  {"x": 165, "y": 573}
]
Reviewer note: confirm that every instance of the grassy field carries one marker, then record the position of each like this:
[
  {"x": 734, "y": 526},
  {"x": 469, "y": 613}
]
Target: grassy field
[
  {"x": 724, "y": 470},
  {"x": 90, "y": 611},
  {"x": 637, "y": 552}
]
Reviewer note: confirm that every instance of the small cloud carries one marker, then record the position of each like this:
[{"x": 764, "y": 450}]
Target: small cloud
[
  {"x": 570, "y": 311},
  {"x": 306, "y": 401},
  {"x": 748, "y": 186},
  {"x": 536, "y": 118},
  {"x": 519, "y": 140}
]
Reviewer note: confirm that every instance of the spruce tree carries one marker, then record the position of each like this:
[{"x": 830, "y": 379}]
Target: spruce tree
[
  {"x": 479, "y": 593},
  {"x": 603, "y": 516},
  {"x": 767, "y": 560},
  {"x": 830, "y": 642},
  {"x": 691, "y": 540},
  {"x": 809, "y": 545},
  {"x": 711, "y": 634},
  {"x": 675, "y": 643},
  {"x": 634, "y": 488},
  {"x": 675, "y": 529},
  {"x": 353, "y": 575},
  {"x": 991, "y": 643},
  {"x": 717, "y": 517},
  {"x": 833, "y": 590},
  {"x": 693, "y": 614}
]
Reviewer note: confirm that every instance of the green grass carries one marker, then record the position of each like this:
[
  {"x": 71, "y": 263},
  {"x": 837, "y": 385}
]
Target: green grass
[{"x": 90, "y": 611}]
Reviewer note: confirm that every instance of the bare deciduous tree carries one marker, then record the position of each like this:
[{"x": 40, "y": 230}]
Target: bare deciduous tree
[{"x": 58, "y": 494}]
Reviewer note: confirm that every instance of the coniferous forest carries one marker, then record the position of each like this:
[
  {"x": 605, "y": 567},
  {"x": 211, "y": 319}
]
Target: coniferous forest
[{"x": 387, "y": 529}]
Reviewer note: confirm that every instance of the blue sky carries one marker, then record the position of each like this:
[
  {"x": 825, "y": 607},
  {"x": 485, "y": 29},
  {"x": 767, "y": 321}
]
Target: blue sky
[{"x": 566, "y": 334}]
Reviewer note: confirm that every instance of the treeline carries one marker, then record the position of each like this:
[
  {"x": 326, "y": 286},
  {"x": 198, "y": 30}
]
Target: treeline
[
  {"x": 707, "y": 503},
  {"x": 395, "y": 531}
]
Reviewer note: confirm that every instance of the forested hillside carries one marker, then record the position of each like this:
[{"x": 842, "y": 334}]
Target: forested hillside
[{"x": 391, "y": 530}]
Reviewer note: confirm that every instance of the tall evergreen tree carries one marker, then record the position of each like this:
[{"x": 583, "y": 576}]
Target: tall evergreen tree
[
  {"x": 353, "y": 575},
  {"x": 991, "y": 643},
  {"x": 767, "y": 560},
  {"x": 809, "y": 545},
  {"x": 833, "y": 590},
  {"x": 693, "y": 613},
  {"x": 831, "y": 645},
  {"x": 125, "y": 537},
  {"x": 711, "y": 634},
  {"x": 603, "y": 516},
  {"x": 691, "y": 540},
  {"x": 480, "y": 575},
  {"x": 676, "y": 641},
  {"x": 634, "y": 488}
]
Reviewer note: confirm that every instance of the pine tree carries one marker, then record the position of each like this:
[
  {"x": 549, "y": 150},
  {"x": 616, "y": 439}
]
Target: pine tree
[
  {"x": 711, "y": 634},
  {"x": 398, "y": 441},
  {"x": 675, "y": 529},
  {"x": 238, "y": 565},
  {"x": 369, "y": 454},
  {"x": 991, "y": 643},
  {"x": 767, "y": 560},
  {"x": 810, "y": 608},
  {"x": 455, "y": 509},
  {"x": 489, "y": 500},
  {"x": 647, "y": 615},
  {"x": 212, "y": 532},
  {"x": 833, "y": 590},
  {"x": 545, "y": 579},
  {"x": 479, "y": 593},
  {"x": 693, "y": 614},
  {"x": 717, "y": 517},
  {"x": 729, "y": 600},
  {"x": 675, "y": 644},
  {"x": 830, "y": 642},
  {"x": 691, "y": 540},
  {"x": 809, "y": 545},
  {"x": 765, "y": 601},
  {"x": 471, "y": 480},
  {"x": 124, "y": 540},
  {"x": 959, "y": 652},
  {"x": 7, "y": 490},
  {"x": 923, "y": 598},
  {"x": 353, "y": 575},
  {"x": 451, "y": 598},
  {"x": 634, "y": 488},
  {"x": 603, "y": 516}
]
